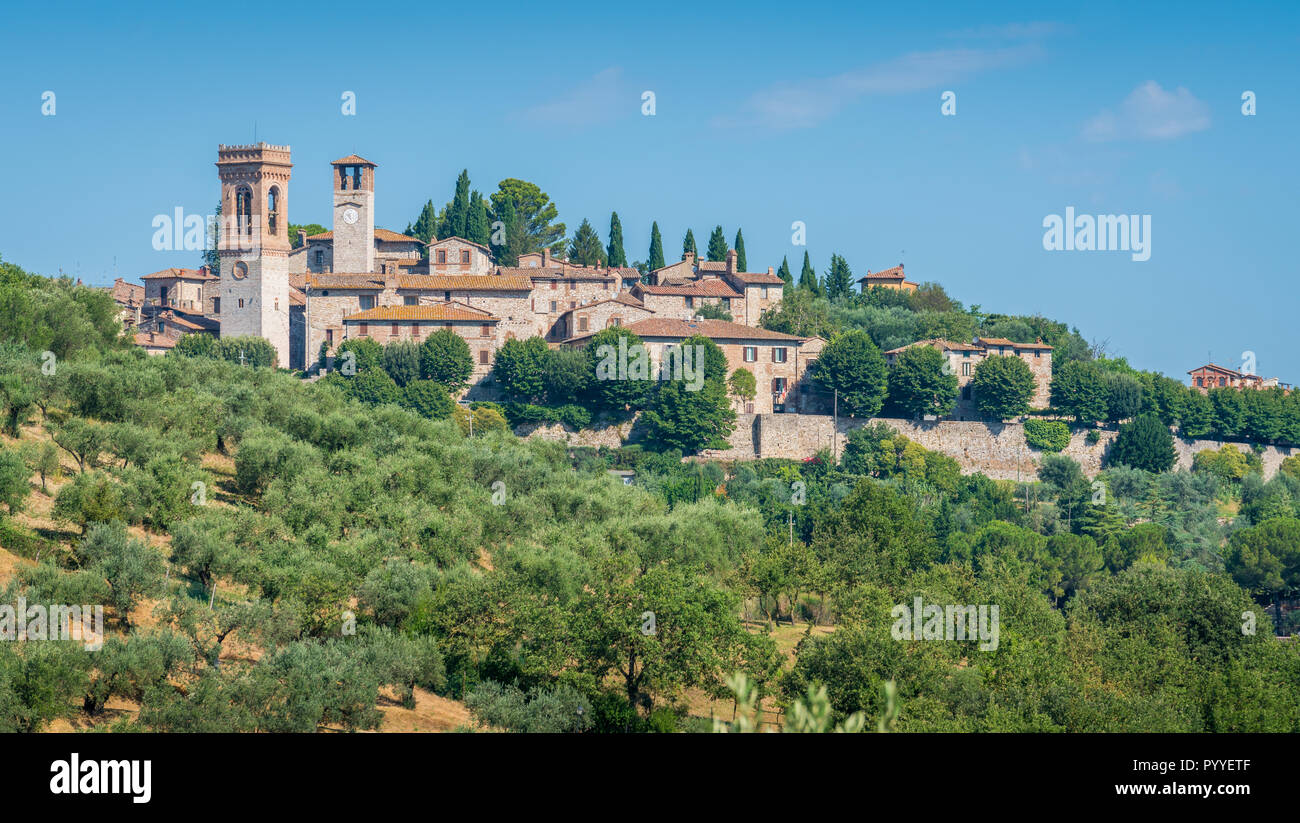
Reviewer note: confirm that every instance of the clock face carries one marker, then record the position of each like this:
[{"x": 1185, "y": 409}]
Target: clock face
[{"x": 349, "y": 216}]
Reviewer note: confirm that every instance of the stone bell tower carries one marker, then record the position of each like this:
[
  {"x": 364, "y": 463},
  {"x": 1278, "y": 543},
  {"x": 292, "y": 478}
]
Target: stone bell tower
[
  {"x": 253, "y": 243},
  {"x": 354, "y": 215}
]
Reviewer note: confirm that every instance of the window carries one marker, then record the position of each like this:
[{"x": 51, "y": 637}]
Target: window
[
  {"x": 244, "y": 210},
  {"x": 554, "y": 307},
  {"x": 965, "y": 392},
  {"x": 749, "y": 408},
  {"x": 573, "y": 304},
  {"x": 394, "y": 332},
  {"x": 363, "y": 329},
  {"x": 726, "y": 303},
  {"x": 573, "y": 285},
  {"x": 216, "y": 305},
  {"x": 410, "y": 300},
  {"x": 329, "y": 336},
  {"x": 615, "y": 321},
  {"x": 690, "y": 302},
  {"x": 1037, "y": 353},
  {"x": 1200, "y": 381},
  {"x": 367, "y": 301},
  {"x": 485, "y": 330},
  {"x": 555, "y": 284},
  {"x": 483, "y": 357},
  {"x": 241, "y": 302},
  {"x": 763, "y": 293},
  {"x": 751, "y": 354},
  {"x": 965, "y": 369},
  {"x": 464, "y": 256},
  {"x": 779, "y": 354},
  {"x": 320, "y": 258},
  {"x": 778, "y": 385},
  {"x": 582, "y": 323},
  {"x": 446, "y": 295},
  {"x": 442, "y": 256},
  {"x": 273, "y": 208},
  {"x": 1223, "y": 381}
]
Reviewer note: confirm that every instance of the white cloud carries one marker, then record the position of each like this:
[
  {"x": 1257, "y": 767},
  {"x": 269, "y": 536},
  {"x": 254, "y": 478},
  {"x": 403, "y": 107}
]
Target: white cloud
[
  {"x": 807, "y": 103},
  {"x": 597, "y": 100},
  {"x": 1150, "y": 113}
]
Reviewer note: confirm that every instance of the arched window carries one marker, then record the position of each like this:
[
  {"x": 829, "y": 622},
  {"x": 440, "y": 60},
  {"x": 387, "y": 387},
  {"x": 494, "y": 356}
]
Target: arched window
[
  {"x": 273, "y": 208},
  {"x": 244, "y": 210}
]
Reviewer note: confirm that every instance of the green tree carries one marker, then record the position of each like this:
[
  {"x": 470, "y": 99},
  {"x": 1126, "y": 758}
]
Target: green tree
[
  {"x": 133, "y": 570},
  {"x": 743, "y": 384},
  {"x": 785, "y": 275},
  {"x": 565, "y": 375},
  {"x": 853, "y": 365},
  {"x": 509, "y": 238},
  {"x": 839, "y": 278},
  {"x": 445, "y": 357},
  {"x": 615, "y": 357},
  {"x": 1003, "y": 387},
  {"x": 427, "y": 398},
  {"x": 520, "y": 368},
  {"x": 478, "y": 227},
  {"x": 15, "y": 479},
  {"x": 359, "y": 354},
  {"x": 402, "y": 361},
  {"x": 585, "y": 249},
  {"x": 1144, "y": 444},
  {"x": 808, "y": 277},
  {"x": 688, "y": 243},
  {"x": 455, "y": 220},
  {"x": 1265, "y": 559},
  {"x": 742, "y": 263},
  {"x": 717, "y": 245},
  {"x": 919, "y": 385},
  {"x": 655, "y": 260},
  {"x": 614, "y": 255},
  {"x": 1079, "y": 389},
  {"x": 534, "y": 214},
  {"x": 299, "y": 233}
]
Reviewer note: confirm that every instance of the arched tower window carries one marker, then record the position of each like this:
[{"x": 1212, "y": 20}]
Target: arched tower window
[
  {"x": 273, "y": 208},
  {"x": 244, "y": 210}
]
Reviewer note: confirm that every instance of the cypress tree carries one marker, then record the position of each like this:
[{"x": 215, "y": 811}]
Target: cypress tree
[
  {"x": 808, "y": 276},
  {"x": 656, "y": 259},
  {"x": 477, "y": 228},
  {"x": 688, "y": 243},
  {"x": 839, "y": 278},
  {"x": 717, "y": 245},
  {"x": 615, "y": 254},
  {"x": 507, "y": 252},
  {"x": 741, "y": 263},
  {"x": 784, "y": 273},
  {"x": 456, "y": 220}
]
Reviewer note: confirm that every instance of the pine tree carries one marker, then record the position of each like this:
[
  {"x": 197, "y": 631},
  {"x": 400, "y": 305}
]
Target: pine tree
[
  {"x": 839, "y": 278},
  {"x": 741, "y": 263},
  {"x": 784, "y": 273},
  {"x": 585, "y": 248},
  {"x": 717, "y": 245},
  {"x": 808, "y": 277},
  {"x": 656, "y": 259},
  {"x": 688, "y": 243},
  {"x": 615, "y": 255},
  {"x": 425, "y": 226}
]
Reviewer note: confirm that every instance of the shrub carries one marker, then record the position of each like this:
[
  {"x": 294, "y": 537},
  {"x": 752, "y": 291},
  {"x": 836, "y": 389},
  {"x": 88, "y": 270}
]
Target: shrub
[
  {"x": 1047, "y": 435},
  {"x": 1144, "y": 444}
]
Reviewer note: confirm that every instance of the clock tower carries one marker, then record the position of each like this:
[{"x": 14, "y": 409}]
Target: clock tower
[
  {"x": 253, "y": 243},
  {"x": 354, "y": 215}
]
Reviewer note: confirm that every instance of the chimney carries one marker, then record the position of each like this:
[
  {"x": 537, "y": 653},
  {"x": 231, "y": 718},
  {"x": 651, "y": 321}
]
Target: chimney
[
  {"x": 731, "y": 261},
  {"x": 546, "y": 257},
  {"x": 771, "y": 270}
]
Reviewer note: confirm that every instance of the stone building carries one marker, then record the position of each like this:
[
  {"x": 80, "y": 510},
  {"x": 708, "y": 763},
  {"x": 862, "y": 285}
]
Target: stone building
[
  {"x": 887, "y": 279},
  {"x": 1211, "y": 376},
  {"x": 386, "y": 324},
  {"x": 962, "y": 358},
  {"x": 779, "y": 362}
]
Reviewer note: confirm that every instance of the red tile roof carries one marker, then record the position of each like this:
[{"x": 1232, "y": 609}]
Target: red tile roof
[
  {"x": 179, "y": 274},
  {"x": 713, "y": 329},
  {"x": 1002, "y": 341},
  {"x": 352, "y": 160},
  {"x": 757, "y": 278},
  {"x": 896, "y": 273},
  {"x": 154, "y": 341},
  {"x": 438, "y": 311},
  {"x": 382, "y": 235},
  {"x": 700, "y": 288}
]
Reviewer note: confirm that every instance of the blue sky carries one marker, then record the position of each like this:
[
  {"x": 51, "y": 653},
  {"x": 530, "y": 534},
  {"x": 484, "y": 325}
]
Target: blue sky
[{"x": 829, "y": 114}]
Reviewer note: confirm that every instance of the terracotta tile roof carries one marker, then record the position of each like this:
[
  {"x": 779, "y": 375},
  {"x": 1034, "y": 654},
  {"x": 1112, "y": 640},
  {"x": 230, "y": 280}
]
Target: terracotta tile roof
[
  {"x": 713, "y": 329},
  {"x": 1002, "y": 341},
  {"x": 352, "y": 160},
  {"x": 464, "y": 282},
  {"x": 1226, "y": 371},
  {"x": 154, "y": 341},
  {"x": 124, "y": 292},
  {"x": 713, "y": 265},
  {"x": 436, "y": 242},
  {"x": 182, "y": 274},
  {"x": 757, "y": 278},
  {"x": 438, "y": 311},
  {"x": 296, "y": 297},
  {"x": 382, "y": 235},
  {"x": 896, "y": 273},
  {"x": 700, "y": 288},
  {"x": 345, "y": 281},
  {"x": 628, "y": 300},
  {"x": 558, "y": 273},
  {"x": 938, "y": 343}
]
